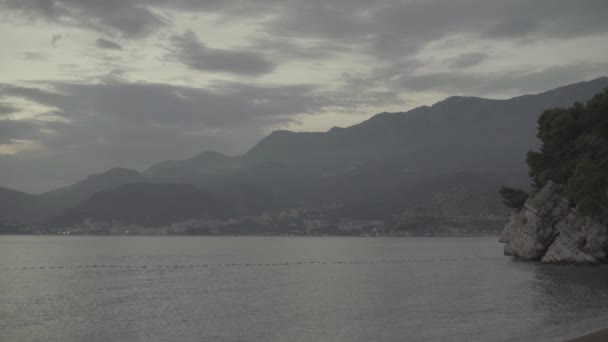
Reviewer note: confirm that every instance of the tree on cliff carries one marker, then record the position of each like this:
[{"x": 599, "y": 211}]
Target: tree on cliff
[
  {"x": 513, "y": 198},
  {"x": 574, "y": 152}
]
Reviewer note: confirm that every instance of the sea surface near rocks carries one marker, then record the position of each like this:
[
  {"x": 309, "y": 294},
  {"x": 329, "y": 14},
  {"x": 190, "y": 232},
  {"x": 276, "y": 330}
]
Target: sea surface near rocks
[{"x": 289, "y": 289}]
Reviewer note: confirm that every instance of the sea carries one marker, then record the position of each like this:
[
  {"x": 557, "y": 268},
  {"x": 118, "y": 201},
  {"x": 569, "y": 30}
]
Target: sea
[{"x": 110, "y": 288}]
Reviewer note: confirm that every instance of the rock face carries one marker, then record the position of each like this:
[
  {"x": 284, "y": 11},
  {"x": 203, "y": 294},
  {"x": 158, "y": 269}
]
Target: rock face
[{"x": 548, "y": 229}]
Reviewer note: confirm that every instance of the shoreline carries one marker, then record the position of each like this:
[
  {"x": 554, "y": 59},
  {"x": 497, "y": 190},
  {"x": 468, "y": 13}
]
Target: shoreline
[
  {"x": 271, "y": 235},
  {"x": 595, "y": 336}
]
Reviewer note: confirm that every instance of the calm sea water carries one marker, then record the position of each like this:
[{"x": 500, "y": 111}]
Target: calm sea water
[{"x": 288, "y": 289}]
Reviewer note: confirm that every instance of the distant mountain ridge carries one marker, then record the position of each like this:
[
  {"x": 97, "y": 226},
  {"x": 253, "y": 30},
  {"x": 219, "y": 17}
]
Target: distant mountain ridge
[
  {"x": 146, "y": 204},
  {"x": 363, "y": 163},
  {"x": 209, "y": 162},
  {"x": 94, "y": 183},
  {"x": 20, "y": 207},
  {"x": 462, "y": 132}
]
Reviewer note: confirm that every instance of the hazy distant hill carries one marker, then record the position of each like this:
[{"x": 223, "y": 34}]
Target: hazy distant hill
[
  {"x": 73, "y": 194},
  {"x": 146, "y": 204},
  {"x": 204, "y": 163},
  {"x": 392, "y": 158},
  {"x": 21, "y": 207},
  {"x": 16, "y": 206}
]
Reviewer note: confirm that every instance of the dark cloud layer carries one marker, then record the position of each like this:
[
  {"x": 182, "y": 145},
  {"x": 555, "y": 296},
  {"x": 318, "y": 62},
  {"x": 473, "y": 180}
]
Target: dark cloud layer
[
  {"x": 11, "y": 130},
  {"x": 6, "y": 109},
  {"x": 104, "y": 122},
  {"x": 467, "y": 60},
  {"x": 135, "y": 124},
  {"x": 117, "y": 122},
  {"x": 130, "y": 18},
  {"x": 385, "y": 27},
  {"x": 187, "y": 49},
  {"x": 107, "y": 44},
  {"x": 162, "y": 106},
  {"x": 392, "y": 29}
]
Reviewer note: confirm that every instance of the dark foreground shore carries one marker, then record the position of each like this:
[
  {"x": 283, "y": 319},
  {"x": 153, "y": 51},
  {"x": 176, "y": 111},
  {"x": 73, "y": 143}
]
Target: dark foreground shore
[{"x": 597, "y": 336}]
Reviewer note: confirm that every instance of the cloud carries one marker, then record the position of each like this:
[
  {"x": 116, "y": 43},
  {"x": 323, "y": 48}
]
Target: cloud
[
  {"x": 507, "y": 81},
  {"x": 116, "y": 122},
  {"x": 393, "y": 29},
  {"x": 88, "y": 127},
  {"x": 290, "y": 49},
  {"x": 55, "y": 39},
  {"x": 546, "y": 19},
  {"x": 38, "y": 95},
  {"x": 107, "y": 44},
  {"x": 11, "y": 130},
  {"x": 130, "y": 18},
  {"x": 364, "y": 55},
  {"x": 384, "y": 29},
  {"x": 466, "y": 60},
  {"x": 187, "y": 49},
  {"x": 6, "y": 109},
  {"x": 387, "y": 31},
  {"x": 157, "y": 104},
  {"x": 35, "y": 56}
]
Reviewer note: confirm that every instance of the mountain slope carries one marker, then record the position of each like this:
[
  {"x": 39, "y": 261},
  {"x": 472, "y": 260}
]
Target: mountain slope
[
  {"x": 389, "y": 151},
  {"x": 20, "y": 207},
  {"x": 208, "y": 162},
  {"x": 146, "y": 204},
  {"x": 454, "y": 194},
  {"x": 459, "y": 133},
  {"x": 74, "y": 194},
  {"x": 367, "y": 162}
]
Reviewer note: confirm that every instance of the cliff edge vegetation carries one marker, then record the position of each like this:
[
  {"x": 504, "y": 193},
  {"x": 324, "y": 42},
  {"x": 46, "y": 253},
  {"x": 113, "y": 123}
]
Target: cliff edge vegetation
[
  {"x": 574, "y": 153},
  {"x": 564, "y": 217}
]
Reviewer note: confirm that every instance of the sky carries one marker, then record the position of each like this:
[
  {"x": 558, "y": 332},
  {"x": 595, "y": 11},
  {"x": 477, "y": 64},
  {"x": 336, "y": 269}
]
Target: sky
[{"x": 87, "y": 85}]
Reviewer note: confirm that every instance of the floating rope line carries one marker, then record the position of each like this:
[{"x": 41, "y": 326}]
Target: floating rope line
[{"x": 242, "y": 265}]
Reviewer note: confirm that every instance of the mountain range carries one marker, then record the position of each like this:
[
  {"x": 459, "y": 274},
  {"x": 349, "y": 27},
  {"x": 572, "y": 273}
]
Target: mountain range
[{"x": 452, "y": 155}]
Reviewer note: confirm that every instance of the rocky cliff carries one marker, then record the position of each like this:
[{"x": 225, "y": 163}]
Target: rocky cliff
[{"x": 549, "y": 229}]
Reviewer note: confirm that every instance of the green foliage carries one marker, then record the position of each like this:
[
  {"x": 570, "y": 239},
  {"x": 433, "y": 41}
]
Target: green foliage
[
  {"x": 513, "y": 198},
  {"x": 574, "y": 152}
]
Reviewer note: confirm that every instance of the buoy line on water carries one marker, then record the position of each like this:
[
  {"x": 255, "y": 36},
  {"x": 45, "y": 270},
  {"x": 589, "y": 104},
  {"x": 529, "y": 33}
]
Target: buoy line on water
[{"x": 231, "y": 265}]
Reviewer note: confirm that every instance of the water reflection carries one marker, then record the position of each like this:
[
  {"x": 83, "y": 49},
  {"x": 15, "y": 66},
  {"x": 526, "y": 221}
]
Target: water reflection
[
  {"x": 574, "y": 294},
  {"x": 445, "y": 289}
]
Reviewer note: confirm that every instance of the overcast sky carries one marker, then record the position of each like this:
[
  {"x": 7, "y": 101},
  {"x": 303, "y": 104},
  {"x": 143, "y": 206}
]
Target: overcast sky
[{"x": 86, "y": 85}]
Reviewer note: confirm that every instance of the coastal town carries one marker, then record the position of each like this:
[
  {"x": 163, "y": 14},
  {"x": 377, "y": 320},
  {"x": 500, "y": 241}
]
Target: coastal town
[{"x": 292, "y": 222}]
